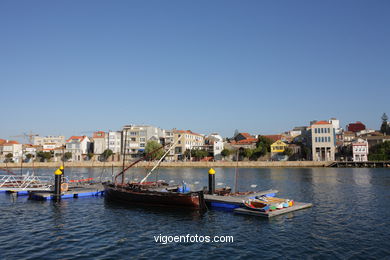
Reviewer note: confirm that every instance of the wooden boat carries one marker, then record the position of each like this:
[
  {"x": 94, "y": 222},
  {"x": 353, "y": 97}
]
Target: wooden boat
[
  {"x": 256, "y": 205},
  {"x": 264, "y": 203},
  {"x": 154, "y": 193},
  {"x": 157, "y": 193}
]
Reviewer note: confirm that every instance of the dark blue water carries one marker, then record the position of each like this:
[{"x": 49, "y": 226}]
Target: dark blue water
[{"x": 350, "y": 219}]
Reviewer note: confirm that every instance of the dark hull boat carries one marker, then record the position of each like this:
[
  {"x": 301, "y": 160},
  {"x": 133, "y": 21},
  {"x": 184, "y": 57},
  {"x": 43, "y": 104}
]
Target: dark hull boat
[{"x": 154, "y": 194}]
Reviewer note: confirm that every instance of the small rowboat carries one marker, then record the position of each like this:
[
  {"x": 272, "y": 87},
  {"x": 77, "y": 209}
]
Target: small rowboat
[{"x": 256, "y": 205}]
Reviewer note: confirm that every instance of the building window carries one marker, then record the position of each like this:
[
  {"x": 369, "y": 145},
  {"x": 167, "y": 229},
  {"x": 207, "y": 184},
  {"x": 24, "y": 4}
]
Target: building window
[
  {"x": 142, "y": 145},
  {"x": 142, "y": 139},
  {"x": 133, "y": 133}
]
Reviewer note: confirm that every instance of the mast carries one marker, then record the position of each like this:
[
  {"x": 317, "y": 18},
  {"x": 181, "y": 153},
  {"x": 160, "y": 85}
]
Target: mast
[{"x": 159, "y": 161}]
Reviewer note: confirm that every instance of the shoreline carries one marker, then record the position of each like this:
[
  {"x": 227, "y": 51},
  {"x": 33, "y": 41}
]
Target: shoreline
[{"x": 218, "y": 164}]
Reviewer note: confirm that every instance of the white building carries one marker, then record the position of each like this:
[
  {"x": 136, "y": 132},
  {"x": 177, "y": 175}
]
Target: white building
[
  {"x": 11, "y": 147},
  {"x": 323, "y": 141},
  {"x": 360, "y": 150},
  {"x": 79, "y": 146},
  {"x": 100, "y": 142},
  {"x": 57, "y": 141},
  {"x": 135, "y": 137},
  {"x": 115, "y": 141},
  {"x": 215, "y": 141},
  {"x": 336, "y": 125}
]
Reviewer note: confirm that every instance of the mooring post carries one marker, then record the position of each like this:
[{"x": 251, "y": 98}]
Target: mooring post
[
  {"x": 57, "y": 183},
  {"x": 211, "y": 181}
]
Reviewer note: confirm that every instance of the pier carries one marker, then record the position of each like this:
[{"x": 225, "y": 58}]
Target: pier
[
  {"x": 368, "y": 164},
  {"x": 72, "y": 192},
  {"x": 274, "y": 213}
]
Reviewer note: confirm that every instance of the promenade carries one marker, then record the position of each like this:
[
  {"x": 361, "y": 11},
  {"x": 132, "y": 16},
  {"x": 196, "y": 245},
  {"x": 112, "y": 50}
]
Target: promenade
[{"x": 218, "y": 164}]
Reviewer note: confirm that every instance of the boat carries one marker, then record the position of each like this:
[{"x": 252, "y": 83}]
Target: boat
[
  {"x": 153, "y": 193},
  {"x": 265, "y": 203},
  {"x": 256, "y": 205}
]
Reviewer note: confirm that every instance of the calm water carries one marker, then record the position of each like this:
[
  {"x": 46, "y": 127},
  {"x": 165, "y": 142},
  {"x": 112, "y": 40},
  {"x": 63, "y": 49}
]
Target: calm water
[{"x": 350, "y": 219}]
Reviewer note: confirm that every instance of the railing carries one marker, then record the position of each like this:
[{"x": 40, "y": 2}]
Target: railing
[{"x": 26, "y": 182}]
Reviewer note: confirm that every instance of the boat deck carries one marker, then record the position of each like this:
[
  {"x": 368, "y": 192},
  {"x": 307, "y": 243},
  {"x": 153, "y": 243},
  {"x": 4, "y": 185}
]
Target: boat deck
[
  {"x": 73, "y": 192},
  {"x": 270, "y": 214}
]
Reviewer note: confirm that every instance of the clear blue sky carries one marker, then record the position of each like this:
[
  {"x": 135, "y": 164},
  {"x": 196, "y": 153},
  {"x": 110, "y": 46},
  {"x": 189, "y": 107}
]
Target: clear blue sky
[{"x": 209, "y": 66}]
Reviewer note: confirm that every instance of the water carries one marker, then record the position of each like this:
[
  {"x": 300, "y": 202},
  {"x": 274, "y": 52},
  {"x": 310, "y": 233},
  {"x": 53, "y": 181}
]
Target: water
[{"x": 350, "y": 219}]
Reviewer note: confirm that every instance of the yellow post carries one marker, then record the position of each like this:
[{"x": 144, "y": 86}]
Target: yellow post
[{"x": 211, "y": 181}]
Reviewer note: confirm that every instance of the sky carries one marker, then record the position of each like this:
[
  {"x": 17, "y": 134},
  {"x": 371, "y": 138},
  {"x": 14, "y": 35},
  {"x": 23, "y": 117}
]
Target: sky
[{"x": 72, "y": 67}]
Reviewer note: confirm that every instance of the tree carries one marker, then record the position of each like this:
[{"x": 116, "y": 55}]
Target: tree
[
  {"x": 288, "y": 151},
  {"x": 44, "y": 156},
  {"x": 199, "y": 154},
  {"x": 9, "y": 157},
  {"x": 106, "y": 154},
  {"x": 28, "y": 157},
  {"x": 90, "y": 155},
  {"x": 226, "y": 152},
  {"x": 150, "y": 147},
  {"x": 264, "y": 142},
  {"x": 380, "y": 152},
  {"x": 385, "y": 128},
  {"x": 67, "y": 156}
]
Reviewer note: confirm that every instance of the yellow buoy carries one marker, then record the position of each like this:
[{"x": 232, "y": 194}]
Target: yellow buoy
[
  {"x": 58, "y": 172},
  {"x": 211, "y": 171}
]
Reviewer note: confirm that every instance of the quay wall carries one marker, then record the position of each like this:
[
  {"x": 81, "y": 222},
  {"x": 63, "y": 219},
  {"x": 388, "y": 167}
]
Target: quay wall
[{"x": 219, "y": 164}]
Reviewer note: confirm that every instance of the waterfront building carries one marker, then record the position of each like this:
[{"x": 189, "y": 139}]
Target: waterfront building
[
  {"x": 30, "y": 149},
  {"x": 356, "y": 127},
  {"x": 215, "y": 145},
  {"x": 277, "y": 150},
  {"x": 360, "y": 150},
  {"x": 11, "y": 147},
  {"x": 100, "y": 142},
  {"x": 115, "y": 141},
  {"x": 188, "y": 141},
  {"x": 322, "y": 141},
  {"x": 374, "y": 138},
  {"x": 244, "y": 141},
  {"x": 135, "y": 138},
  {"x": 336, "y": 125},
  {"x": 348, "y": 137},
  {"x": 57, "y": 141},
  {"x": 79, "y": 146}
]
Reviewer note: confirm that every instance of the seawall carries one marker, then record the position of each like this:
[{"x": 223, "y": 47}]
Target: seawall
[{"x": 219, "y": 164}]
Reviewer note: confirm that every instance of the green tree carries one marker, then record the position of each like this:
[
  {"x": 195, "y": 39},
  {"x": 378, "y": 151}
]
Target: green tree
[
  {"x": 44, "y": 156},
  {"x": 28, "y": 157},
  {"x": 385, "y": 128},
  {"x": 199, "y": 154},
  {"x": 90, "y": 156},
  {"x": 67, "y": 156},
  {"x": 264, "y": 142},
  {"x": 288, "y": 151},
  {"x": 8, "y": 158},
  {"x": 150, "y": 147},
  {"x": 380, "y": 152},
  {"x": 106, "y": 154},
  {"x": 226, "y": 152}
]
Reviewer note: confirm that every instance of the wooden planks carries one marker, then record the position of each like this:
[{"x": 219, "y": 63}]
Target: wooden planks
[
  {"x": 270, "y": 214},
  {"x": 236, "y": 200}
]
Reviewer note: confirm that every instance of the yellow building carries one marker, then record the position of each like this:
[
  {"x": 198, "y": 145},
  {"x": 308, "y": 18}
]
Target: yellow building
[{"x": 278, "y": 147}]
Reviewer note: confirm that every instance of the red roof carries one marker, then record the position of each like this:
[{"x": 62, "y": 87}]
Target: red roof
[
  {"x": 99, "y": 134},
  {"x": 10, "y": 142},
  {"x": 273, "y": 137},
  {"x": 80, "y": 138},
  {"x": 322, "y": 123},
  {"x": 186, "y": 132},
  {"x": 247, "y": 135}
]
